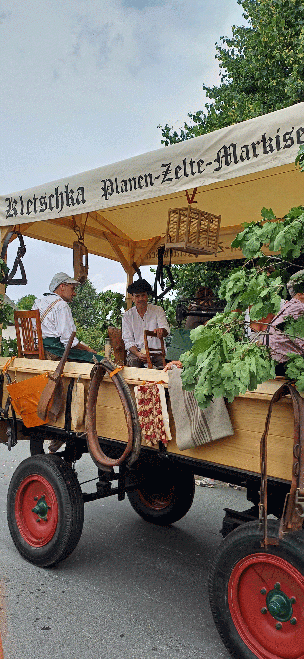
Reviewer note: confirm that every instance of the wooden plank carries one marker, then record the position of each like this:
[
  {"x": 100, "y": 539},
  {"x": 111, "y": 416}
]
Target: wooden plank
[
  {"x": 242, "y": 451},
  {"x": 116, "y": 249},
  {"x": 248, "y": 414},
  {"x": 143, "y": 252},
  {"x": 99, "y": 218}
]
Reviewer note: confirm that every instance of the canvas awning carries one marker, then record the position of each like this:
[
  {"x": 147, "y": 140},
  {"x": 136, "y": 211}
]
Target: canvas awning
[{"x": 124, "y": 206}]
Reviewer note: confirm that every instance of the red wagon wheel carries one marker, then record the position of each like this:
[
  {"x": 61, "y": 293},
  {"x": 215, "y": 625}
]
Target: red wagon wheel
[
  {"x": 36, "y": 510},
  {"x": 257, "y": 596},
  {"x": 266, "y": 602},
  {"x": 45, "y": 509}
]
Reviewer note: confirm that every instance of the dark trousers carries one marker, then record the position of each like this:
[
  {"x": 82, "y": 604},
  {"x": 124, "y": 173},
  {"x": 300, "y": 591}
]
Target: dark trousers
[{"x": 156, "y": 360}]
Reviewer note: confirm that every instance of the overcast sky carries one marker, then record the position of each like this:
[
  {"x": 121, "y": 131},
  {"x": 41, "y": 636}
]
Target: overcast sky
[{"x": 86, "y": 82}]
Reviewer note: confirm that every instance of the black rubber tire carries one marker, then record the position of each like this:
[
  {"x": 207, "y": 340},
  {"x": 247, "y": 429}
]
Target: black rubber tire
[
  {"x": 164, "y": 492},
  {"x": 69, "y": 503},
  {"x": 239, "y": 544}
]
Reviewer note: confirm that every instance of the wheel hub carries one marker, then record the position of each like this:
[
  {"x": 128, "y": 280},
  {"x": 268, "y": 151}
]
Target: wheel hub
[
  {"x": 41, "y": 508},
  {"x": 278, "y": 604}
]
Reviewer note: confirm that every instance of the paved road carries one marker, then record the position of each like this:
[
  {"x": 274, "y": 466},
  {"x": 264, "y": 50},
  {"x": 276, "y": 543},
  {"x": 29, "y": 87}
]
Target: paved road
[{"x": 130, "y": 590}]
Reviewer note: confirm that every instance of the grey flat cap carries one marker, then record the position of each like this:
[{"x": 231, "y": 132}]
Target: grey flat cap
[{"x": 61, "y": 278}]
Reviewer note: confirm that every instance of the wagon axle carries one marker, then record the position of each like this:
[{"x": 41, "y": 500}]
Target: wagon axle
[{"x": 126, "y": 483}]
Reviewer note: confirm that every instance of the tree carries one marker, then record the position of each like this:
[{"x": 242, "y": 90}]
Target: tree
[
  {"x": 261, "y": 69},
  {"x": 26, "y": 302},
  {"x": 94, "y": 312},
  {"x": 189, "y": 277},
  {"x": 84, "y": 306}
]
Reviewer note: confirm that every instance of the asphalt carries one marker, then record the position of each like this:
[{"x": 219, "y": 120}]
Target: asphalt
[{"x": 130, "y": 590}]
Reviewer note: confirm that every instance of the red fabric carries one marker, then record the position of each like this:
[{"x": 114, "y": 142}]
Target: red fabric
[{"x": 150, "y": 415}]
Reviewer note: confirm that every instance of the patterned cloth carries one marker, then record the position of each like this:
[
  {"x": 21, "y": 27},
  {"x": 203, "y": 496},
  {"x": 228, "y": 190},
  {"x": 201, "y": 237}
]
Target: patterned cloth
[
  {"x": 152, "y": 413},
  {"x": 280, "y": 344}
]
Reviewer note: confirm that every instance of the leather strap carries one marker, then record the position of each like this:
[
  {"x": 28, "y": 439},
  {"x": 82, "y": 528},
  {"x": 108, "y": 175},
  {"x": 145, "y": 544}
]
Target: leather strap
[
  {"x": 292, "y": 517},
  {"x": 48, "y": 309},
  {"x": 53, "y": 388}
]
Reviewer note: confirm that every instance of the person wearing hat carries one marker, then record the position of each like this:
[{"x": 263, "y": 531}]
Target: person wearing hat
[
  {"x": 281, "y": 344},
  {"x": 143, "y": 316},
  {"x": 57, "y": 322}
]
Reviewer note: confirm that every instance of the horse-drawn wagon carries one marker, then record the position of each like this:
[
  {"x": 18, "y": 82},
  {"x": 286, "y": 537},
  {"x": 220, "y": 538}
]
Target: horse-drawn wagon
[{"x": 120, "y": 211}]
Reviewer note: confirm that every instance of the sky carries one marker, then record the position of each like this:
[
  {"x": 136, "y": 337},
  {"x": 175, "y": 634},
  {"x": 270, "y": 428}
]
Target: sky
[{"x": 87, "y": 82}]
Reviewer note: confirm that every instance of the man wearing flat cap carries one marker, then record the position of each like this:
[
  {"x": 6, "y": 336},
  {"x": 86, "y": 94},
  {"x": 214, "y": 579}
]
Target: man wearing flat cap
[
  {"x": 57, "y": 322},
  {"x": 143, "y": 316}
]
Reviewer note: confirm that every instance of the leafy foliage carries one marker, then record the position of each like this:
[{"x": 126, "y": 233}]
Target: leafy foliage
[
  {"x": 189, "y": 277},
  {"x": 9, "y": 347},
  {"x": 295, "y": 370},
  {"x": 261, "y": 69},
  {"x": 253, "y": 288},
  {"x": 26, "y": 302},
  {"x": 222, "y": 362},
  {"x": 294, "y": 327},
  {"x": 286, "y": 237},
  {"x": 94, "y": 312},
  {"x": 6, "y": 312}
]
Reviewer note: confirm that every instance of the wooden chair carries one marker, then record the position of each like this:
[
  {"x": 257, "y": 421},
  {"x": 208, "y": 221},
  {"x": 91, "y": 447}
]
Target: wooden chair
[
  {"x": 28, "y": 334},
  {"x": 154, "y": 351},
  {"x": 117, "y": 344}
]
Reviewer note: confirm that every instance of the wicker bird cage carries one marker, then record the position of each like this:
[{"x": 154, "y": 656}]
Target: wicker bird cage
[{"x": 191, "y": 230}]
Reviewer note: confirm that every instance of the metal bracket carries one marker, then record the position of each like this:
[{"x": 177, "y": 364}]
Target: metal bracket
[
  {"x": 299, "y": 502},
  {"x": 8, "y": 279}
]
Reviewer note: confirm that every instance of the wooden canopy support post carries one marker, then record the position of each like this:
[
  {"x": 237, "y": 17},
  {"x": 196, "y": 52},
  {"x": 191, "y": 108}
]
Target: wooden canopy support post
[
  {"x": 126, "y": 266},
  {"x": 141, "y": 253},
  {"x": 128, "y": 296},
  {"x": 114, "y": 244},
  {"x": 130, "y": 274}
]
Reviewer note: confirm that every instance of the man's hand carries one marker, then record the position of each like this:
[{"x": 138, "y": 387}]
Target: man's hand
[
  {"x": 140, "y": 355},
  {"x": 160, "y": 332},
  {"x": 83, "y": 346}
]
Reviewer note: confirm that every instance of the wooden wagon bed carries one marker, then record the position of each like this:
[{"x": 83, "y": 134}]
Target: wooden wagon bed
[{"x": 247, "y": 413}]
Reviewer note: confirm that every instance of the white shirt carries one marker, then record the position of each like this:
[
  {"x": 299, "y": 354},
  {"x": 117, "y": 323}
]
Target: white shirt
[
  {"x": 58, "y": 322},
  {"x": 133, "y": 326}
]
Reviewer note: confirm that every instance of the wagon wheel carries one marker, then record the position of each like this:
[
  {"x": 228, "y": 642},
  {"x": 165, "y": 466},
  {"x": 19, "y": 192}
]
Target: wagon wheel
[
  {"x": 45, "y": 509},
  {"x": 257, "y": 596},
  {"x": 164, "y": 493}
]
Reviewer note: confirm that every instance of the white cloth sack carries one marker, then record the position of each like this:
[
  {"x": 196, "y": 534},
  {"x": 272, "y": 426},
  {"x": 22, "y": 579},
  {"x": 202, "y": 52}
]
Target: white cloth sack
[{"x": 194, "y": 426}]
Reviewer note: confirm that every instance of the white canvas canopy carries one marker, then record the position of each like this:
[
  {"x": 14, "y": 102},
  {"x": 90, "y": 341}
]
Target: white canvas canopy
[{"x": 123, "y": 208}]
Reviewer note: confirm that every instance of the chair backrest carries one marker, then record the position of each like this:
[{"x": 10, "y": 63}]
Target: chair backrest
[
  {"x": 154, "y": 351},
  {"x": 117, "y": 344},
  {"x": 28, "y": 334}
]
